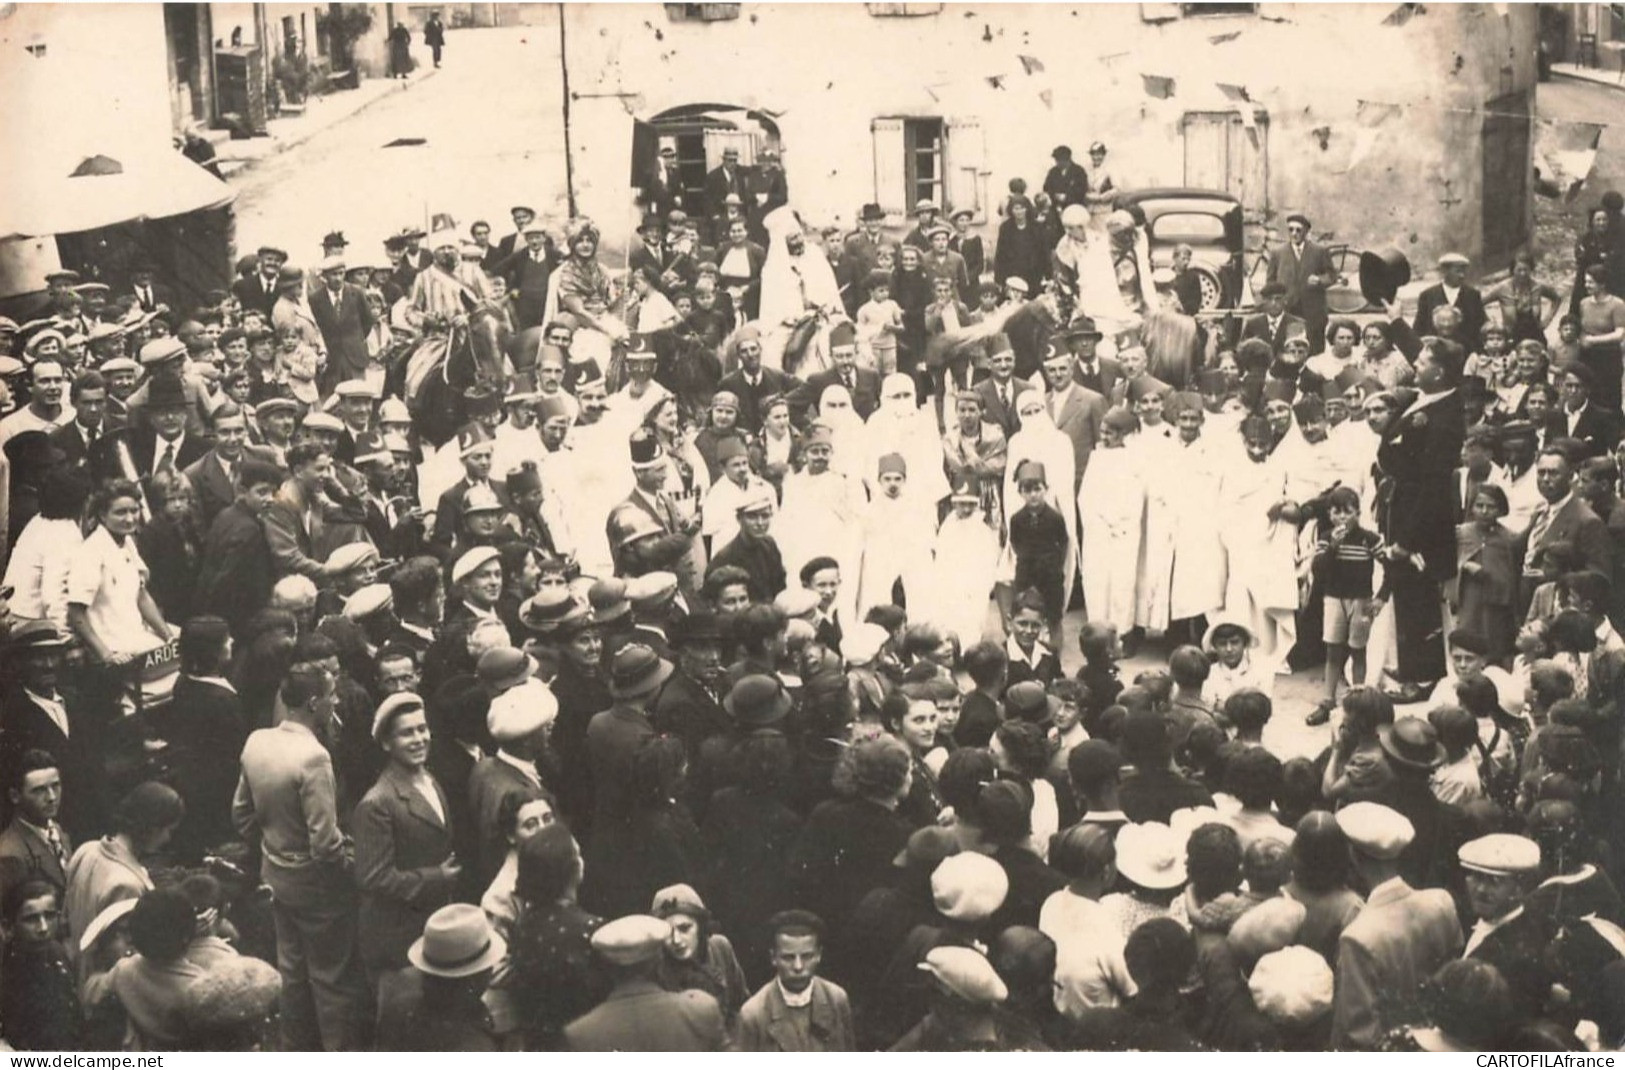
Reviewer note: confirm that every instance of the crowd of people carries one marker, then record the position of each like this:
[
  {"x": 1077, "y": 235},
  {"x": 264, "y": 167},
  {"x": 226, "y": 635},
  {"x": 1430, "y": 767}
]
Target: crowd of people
[{"x": 493, "y": 650}]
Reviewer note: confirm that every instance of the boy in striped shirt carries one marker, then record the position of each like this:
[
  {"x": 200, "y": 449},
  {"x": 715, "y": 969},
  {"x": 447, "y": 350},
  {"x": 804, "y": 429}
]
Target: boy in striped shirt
[{"x": 1345, "y": 563}]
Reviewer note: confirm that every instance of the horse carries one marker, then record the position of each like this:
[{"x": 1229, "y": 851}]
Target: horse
[{"x": 444, "y": 366}]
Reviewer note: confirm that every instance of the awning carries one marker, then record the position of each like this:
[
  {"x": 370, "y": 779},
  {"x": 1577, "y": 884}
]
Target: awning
[{"x": 103, "y": 191}]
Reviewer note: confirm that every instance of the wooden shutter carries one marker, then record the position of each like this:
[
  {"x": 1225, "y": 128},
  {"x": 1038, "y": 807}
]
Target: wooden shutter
[
  {"x": 966, "y": 167},
  {"x": 891, "y": 182},
  {"x": 1207, "y": 149}
]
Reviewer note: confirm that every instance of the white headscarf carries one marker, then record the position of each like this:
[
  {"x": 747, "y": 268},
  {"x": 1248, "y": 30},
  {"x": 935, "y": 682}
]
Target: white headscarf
[
  {"x": 846, "y": 431},
  {"x": 901, "y": 426}
]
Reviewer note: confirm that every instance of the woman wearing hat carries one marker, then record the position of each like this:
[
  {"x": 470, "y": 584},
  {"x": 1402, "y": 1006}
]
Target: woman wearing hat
[
  {"x": 1151, "y": 872},
  {"x": 696, "y": 956},
  {"x": 404, "y": 863}
]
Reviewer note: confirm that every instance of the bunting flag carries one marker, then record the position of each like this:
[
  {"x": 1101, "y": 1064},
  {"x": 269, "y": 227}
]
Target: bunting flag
[
  {"x": 996, "y": 81},
  {"x": 1030, "y": 64},
  {"x": 1233, "y": 92},
  {"x": 1157, "y": 86},
  {"x": 1402, "y": 14},
  {"x": 1223, "y": 38},
  {"x": 1048, "y": 97}
]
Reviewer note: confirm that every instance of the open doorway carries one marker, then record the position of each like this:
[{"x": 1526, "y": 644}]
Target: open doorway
[{"x": 700, "y": 133}]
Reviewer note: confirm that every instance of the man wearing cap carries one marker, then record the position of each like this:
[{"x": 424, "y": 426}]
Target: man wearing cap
[
  {"x": 1399, "y": 938},
  {"x": 520, "y": 721},
  {"x": 863, "y": 248},
  {"x": 862, "y": 383},
  {"x": 149, "y": 294},
  {"x": 690, "y": 704},
  {"x": 724, "y": 179},
  {"x": 941, "y": 262},
  {"x": 259, "y": 289},
  {"x": 1501, "y": 870},
  {"x": 169, "y": 355},
  {"x": 1452, "y": 290},
  {"x": 476, "y": 449},
  {"x": 528, "y": 270},
  {"x": 1066, "y": 183},
  {"x": 737, "y": 484},
  {"x": 638, "y": 1014},
  {"x": 286, "y": 800},
  {"x": 1273, "y": 323},
  {"x": 1305, "y": 269},
  {"x": 766, "y": 189},
  {"x": 662, "y": 186},
  {"x": 753, "y": 548},
  {"x": 750, "y": 383},
  {"x": 37, "y": 719},
  {"x": 341, "y": 314}
]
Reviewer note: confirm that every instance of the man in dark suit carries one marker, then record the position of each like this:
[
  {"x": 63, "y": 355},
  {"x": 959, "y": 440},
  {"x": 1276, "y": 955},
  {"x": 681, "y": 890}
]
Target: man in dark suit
[
  {"x": 476, "y": 448},
  {"x": 751, "y": 383},
  {"x": 1580, "y": 418},
  {"x": 753, "y": 549},
  {"x": 1305, "y": 269},
  {"x": 644, "y": 531},
  {"x": 527, "y": 271},
  {"x": 168, "y": 444},
  {"x": 663, "y": 188},
  {"x": 1453, "y": 290},
  {"x": 235, "y": 571},
  {"x": 34, "y": 846},
  {"x": 523, "y": 217},
  {"x": 768, "y": 190},
  {"x": 1066, "y": 183},
  {"x": 1100, "y": 374},
  {"x": 863, "y": 248},
  {"x": 1501, "y": 870},
  {"x": 1001, "y": 389},
  {"x": 1421, "y": 450},
  {"x": 719, "y": 182},
  {"x": 88, "y": 396},
  {"x": 861, "y": 383},
  {"x": 1076, "y": 410},
  {"x": 34, "y": 716},
  {"x": 652, "y": 257},
  {"x": 259, "y": 290},
  {"x": 149, "y": 294},
  {"x": 1273, "y": 324},
  {"x": 214, "y": 475},
  {"x": 345, "y": 321},
  {"x": 690, "y": 705},
  {"x": 1562, "y": 517}
]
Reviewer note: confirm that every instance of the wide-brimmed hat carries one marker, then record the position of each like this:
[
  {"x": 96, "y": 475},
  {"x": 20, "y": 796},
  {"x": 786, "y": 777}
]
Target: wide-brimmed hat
[
  {"x": 1412, "y": 742},
  {"x": 1083, "y": 327},
  {"x": 457, "y": 941},
  {"x": 33, "y": 635},
  {"x": 637, "y": 671},
  {"x": 758, "y": 701},
  {"x": 1151, "y": 855}
]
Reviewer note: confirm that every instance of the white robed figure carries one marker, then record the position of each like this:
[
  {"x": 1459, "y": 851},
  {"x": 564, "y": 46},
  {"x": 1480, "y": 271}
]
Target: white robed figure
[
  {"x": 1261, "y": 586},
  {"x": 1111, "y": 510},
  {"x": 1040, "y": 440},
  {"x": 966, "y": 566},
  {"x": 1197, "y": 581},
  {"x": 1083, "y": 259},
  {"x": 902, "y": 426},
  {"x": 848, "y": 437},
  {"x": 898, "y": 532},
  {"x": 1156, "y": 445},
  {"x": 797, "y": 279},
  {"x": 823, "y": 515}
]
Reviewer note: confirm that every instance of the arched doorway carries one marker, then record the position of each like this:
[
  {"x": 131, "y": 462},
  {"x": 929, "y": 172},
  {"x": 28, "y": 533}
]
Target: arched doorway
[{"x": 700, "y": 133}]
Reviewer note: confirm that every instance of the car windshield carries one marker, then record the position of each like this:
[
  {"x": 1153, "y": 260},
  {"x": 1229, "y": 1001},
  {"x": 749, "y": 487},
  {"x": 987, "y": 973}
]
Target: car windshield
[{"x": 1192, "y": 227}]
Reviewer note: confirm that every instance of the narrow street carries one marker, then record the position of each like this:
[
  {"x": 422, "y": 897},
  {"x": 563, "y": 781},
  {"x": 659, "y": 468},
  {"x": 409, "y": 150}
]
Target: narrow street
[
  {"x": 485, "y": 133},
  {"x": 1558, "y": 224}
]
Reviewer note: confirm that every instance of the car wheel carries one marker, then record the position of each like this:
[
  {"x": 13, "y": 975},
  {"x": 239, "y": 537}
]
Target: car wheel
[{"x": 1212, "y": 289}]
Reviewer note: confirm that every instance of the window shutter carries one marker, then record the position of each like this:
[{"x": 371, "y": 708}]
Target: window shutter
[
  {"x": 891, "y": 185},
  {"x": 966, "y": 165}
]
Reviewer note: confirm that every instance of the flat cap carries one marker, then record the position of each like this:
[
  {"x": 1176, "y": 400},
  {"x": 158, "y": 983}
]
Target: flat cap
[
  {"x": 1376, "y": 830},
  {"x": 473, "y": 561},
  {"x": 1453, "y": 260},
  {"x": 1500, "y": 853},
  {"x": 521, "y": 711},
  {"x": 316, "y": 420},
  {"x": 969, "y": 886},
  {"x": 796, "y": 601},
  {"x": 371, "y": 599},
  {"x": 161, "y": 349},
  {"x": 631, "y": 940},
  {"x": 351, "y": 555},
  {"x": 393, "y": 706},
  {"x": 966, "y": 973},
  {"x": 651, "y": 589},
  {"x": 355, "y": 388}
]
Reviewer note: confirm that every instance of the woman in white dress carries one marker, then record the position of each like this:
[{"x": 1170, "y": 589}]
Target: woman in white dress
[{"x": 1040, "y": 440}]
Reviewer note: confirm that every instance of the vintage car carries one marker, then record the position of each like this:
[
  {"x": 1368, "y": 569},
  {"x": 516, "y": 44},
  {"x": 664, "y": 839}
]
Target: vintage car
[{"x": 1207, "y": 220}]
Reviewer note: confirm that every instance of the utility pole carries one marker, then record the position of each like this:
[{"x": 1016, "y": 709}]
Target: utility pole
[{"x": 569, "y": 161}]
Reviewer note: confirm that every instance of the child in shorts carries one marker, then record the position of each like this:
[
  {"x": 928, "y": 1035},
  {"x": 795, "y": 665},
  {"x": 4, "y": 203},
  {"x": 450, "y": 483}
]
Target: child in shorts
[{"x": 1345, "y": 563}]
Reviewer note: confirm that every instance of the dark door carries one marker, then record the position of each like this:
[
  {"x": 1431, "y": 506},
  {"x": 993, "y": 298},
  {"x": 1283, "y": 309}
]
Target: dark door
[{"x": 1506, "y": 148}]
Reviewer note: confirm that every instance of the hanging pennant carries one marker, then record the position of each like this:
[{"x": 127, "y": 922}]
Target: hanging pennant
[
  {"x": 1048, "y": 97},
  {"x": 1030, "y": 64},
  {"x": 1157, "y": 86}
]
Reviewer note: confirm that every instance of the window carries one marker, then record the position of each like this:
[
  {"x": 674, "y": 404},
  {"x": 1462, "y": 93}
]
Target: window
[
  {"x": 934, "y": 159},
  {"x": 903, "y": 10},
  {"x": 702, "y": 12},
  {"x": 1196, "y": 10},
  {"x": 1190, "y": 227},
  {"x": 1616, "y": 22}
]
